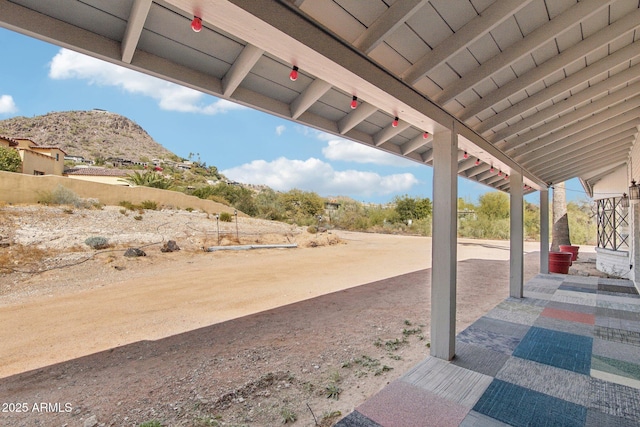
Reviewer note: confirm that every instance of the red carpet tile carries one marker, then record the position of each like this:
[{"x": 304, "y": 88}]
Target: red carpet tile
[{"x": 571, "y": 316}]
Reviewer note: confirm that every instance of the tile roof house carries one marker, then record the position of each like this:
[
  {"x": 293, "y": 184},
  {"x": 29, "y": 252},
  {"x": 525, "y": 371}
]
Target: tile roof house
[
  {"x": 36, "y": 159},
  {"x": 101, "y": 175}
]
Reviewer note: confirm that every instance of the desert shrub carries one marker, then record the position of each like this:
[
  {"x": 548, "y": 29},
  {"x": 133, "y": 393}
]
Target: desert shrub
[
  {"x": 62, "y": 196},
  {"x": 218, "y": 199},
  {"x": 189, "y": 209},
  {"x": 97, "y": 242},
  {"x": 225, "y": 217},
  {"x": 153, "y": 423},
  {"x": 128, "y": 205},
  {"x": 149, "y": 204},
  {"x": 312, "y": 229},
  {"x": 138, "y": 217}
]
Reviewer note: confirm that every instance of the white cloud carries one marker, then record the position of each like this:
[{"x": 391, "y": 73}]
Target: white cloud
[
  {"x": 67, "y": 64},
  {"x": 280, "y": 129},
  {"x": 7, "y": 105},
  {"x": 345, "y": 150},
  {"x": 315, "y": 175}
]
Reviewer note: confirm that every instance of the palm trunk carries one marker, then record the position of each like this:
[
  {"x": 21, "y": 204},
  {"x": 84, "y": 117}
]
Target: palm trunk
[{"x": 560, "y": 233}]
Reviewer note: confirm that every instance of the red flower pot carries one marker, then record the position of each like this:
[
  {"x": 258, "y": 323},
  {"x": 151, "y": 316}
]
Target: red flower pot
[
  {"x": 559, "y": 262},
  {"x": 572, "y": 249}
]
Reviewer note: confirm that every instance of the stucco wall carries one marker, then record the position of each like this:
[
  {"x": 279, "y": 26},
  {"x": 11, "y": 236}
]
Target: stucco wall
[
  {"x": 33, "y": 161},
  {"x": 111, "y": 180},
  {"x": 20, "y": 188}
]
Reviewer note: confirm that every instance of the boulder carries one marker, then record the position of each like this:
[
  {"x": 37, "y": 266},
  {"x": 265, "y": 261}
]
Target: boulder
[
  {"x": 170, "y": 246},
  {"x": 134, "y": 252}
]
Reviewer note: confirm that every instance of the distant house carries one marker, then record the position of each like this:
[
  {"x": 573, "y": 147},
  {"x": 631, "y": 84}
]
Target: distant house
[
  {"x": 101, "y": 175},
  {"x": 36, "y": 159}
]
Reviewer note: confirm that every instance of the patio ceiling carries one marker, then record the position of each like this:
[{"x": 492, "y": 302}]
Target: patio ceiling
[{"x": 550, "y": 88}]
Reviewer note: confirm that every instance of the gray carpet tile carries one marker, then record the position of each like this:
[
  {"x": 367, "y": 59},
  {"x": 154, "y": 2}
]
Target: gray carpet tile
[
  {"x": 616, "y": 323},
  {"x": 600, "y": 419},
  {"x": 450, "y": 382},
  {"x": 616, "y": 350},
  {"x": 476, "y": 419},
  {"x": 618, "y": 314},
  {"x": 623, "y": 306},
  {"x": 479, "y": 359},
  {"x": 564, "y": 326},
  {"x": 356, "y": 419},
  {"x": 513, "y": 316},
  {"x": 490, "y": 340},
  {"x": 621, "y": 299},
  {"x": 617, "y": 335},
  {"x": 587, "y": 309},
  {"x": 615, "y": 282},
  {"x": 577, "y": 288},
  {"x": 501, "y": 327},
  {"x": 556, "y": 382},
  {"x": 615, "y": 399},
  {"x": 538, "y": 295},
  {"x": 583, "y": 280},
  {"x": 572, "y": 297}
]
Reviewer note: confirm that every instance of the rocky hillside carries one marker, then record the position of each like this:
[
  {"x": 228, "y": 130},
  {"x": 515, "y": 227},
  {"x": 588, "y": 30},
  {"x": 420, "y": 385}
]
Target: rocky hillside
[{"x": 90, "y": 134}]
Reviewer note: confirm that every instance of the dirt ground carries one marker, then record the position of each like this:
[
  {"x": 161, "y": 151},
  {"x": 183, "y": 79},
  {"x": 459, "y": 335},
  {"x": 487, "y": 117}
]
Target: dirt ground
[{"x": 191, "y": 338}]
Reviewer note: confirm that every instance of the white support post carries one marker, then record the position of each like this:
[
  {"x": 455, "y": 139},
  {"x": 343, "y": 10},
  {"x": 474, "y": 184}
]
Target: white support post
[
  {"x": 444, "y": 245},
  {"x": 544, "y": 231},
  {"x": 516, "y": 264}
]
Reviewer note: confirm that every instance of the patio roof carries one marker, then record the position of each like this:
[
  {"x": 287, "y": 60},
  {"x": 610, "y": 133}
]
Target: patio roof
[{"x": 548, "y": 89}]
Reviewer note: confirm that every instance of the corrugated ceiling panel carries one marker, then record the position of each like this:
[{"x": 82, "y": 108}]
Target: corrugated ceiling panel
[
  {"x": 427, "y": 87},
  {"x": 368, "y": 14},
  {"x": 597, "y": 55},
  {"x": 595, "y": 23},
  {"x": 569, "y": 38},
  {"x": 453, "y": 107},
  {"x": 545, "y": 52},
  {"x": 408, "y": 44},
  {"x": 463, "y": 62},
  {"x": 481, "y": 5},
  {"x": 443, "y": 75},
  {"x": 556, "y": 7},
  {"x": 334, "y": 17},
  {"x": 553, "y": 78},
  {"x": 484, "y": 49},
  {"x": 456, "y": 13},
  {"x": 506, "y": 34},
  {"x": 574, "y": 67},
  {"x": 531, "y": 16},
  {"x": 503, "y": 76},
  {"x": 429, "y": 25},
  {"x": 620, "y": 8},
  {"x": 467, "y": 98},
  {"x": 523, "y": 65},
  {"x": 389, "y": 58},
  {"x": 485, "y": 87}
]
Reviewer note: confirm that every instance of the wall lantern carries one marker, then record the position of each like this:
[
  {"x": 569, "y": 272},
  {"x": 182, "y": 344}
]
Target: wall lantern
[
  {"x": 634, "y": 191},
  {"x": 624, "y": 201}
]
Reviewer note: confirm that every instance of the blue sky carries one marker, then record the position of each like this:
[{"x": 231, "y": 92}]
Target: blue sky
[{"x": 246, "y": 145}]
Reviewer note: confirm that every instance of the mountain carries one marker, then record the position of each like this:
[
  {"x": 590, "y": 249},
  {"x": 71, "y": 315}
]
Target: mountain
[{"x": 90, "y": 134}]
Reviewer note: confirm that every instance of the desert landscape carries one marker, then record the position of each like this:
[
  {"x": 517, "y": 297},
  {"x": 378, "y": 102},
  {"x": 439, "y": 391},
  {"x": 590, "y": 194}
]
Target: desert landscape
[{"x": 256, "y": 337}]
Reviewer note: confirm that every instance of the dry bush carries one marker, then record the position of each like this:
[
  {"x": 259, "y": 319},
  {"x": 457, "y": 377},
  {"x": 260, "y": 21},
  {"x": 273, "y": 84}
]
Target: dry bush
[{"x": 20, "y": 257}]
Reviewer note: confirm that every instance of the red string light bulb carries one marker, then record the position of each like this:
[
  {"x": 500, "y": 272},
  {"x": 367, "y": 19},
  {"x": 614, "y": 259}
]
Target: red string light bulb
[
  {"x": 395, "y": 122},
  {"x": 196, "y": 24},
  {"x": 465, "y": 155},
  {"x": 293, "y": 75},
  {"x": 425, "y": 135},
  {"x": 477, "y": 162},
  {"x": 354, "y": 102}
]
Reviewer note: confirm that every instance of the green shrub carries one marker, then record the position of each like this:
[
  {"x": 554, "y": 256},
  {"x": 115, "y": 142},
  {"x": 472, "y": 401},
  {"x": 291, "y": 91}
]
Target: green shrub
[
  {"x": 10, "y": 160},
  {"x": 225, "y": 217},
  {"x": 312, "y": 229},
  {"x": 97, "y": 242},
  {"x": 149, "y": 204},
  {"x": 153, "y": 423}
]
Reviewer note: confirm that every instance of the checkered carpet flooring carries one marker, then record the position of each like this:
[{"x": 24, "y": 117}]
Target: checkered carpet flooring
[{"x": 568, "y": 354}]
